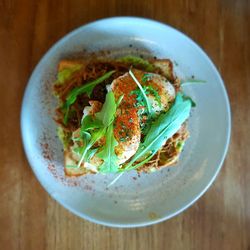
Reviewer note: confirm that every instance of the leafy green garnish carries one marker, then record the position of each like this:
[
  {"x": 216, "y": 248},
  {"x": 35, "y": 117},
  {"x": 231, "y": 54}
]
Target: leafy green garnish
[
  {"x": 137, "y": 61},
  {"x": 186, "y": 97},
  {"x": 191, "y": 81},
  {"x": 107, "y": 153},
  {"x": 107, "y": 114},
  {"x": 89, "y": 141},
  {"x": 146, "y": 77},
  {"x": 164, "y": 127},
  {"x": 66, "y": 73},
  {"x": 93, "y": 129},
  {"x": 140, "y": 100},
  {"x": 142, "y": 91},
  {"x": 90, "y": 153},
  {"x": 89, "y": 122},
  {"x": 86, "y": 88},
  {"x": 150, "y": 90}
]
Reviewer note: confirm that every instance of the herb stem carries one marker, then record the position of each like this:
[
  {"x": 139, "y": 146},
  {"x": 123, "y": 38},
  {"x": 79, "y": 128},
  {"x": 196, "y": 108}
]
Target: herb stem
[
  {"x": 191, "y": 82},
  {"x": 141, "y": 89},
  {"x": 82, "y": 157}
]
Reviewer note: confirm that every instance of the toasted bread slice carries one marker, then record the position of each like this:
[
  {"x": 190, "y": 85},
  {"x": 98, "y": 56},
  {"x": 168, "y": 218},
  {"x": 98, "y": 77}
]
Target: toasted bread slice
[
  {"x": 164, "y": 158},
  {"x": 166, "y": 67},
  {"x": 70, "y": 162},
  {"x": 68, "y": 64}
]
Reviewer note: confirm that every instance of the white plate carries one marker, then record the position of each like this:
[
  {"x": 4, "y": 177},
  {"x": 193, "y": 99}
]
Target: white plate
[{"x": 133, "y": 201}]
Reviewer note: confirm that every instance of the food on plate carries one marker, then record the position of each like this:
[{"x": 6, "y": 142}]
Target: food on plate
[{"x": 122, "y": 114}]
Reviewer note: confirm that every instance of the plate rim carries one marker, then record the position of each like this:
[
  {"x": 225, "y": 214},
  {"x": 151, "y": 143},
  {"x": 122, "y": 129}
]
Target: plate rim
[{"x": 228, "y": 114}]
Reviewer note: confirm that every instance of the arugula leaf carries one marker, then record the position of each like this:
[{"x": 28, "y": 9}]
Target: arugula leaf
[
  {"x": 165, "y": 126},
  {"x": 95, "y": 136},
  {"x": 106, "y": 115},
  {"x": 140, "y": 102},
  {"x": 142, "y": 91},
  {"x": 89, "y": 122},
  {"x": 66, "y": 73},
  {"x": 186, "y": 97},
  {"x": 86, "y": 88},
  {"x": 108, "y": 155},
  {"x": 137, "y": 61},
  {"x": 119, "y": 101},
  {"x": 91, "y": 131},
  {"x": 146, "y": 77},
  {"x": 90, "y": 153},
  {"x": 149, "y": 89},
  {"x": 94, "y": 128}
]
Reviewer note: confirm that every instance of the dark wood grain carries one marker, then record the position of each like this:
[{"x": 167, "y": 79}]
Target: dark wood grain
[{"x": 30, "y": 219}]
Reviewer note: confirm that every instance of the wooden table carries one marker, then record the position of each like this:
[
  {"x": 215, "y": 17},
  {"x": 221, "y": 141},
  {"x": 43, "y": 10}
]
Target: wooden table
[{"x": 30, "y": 219}]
